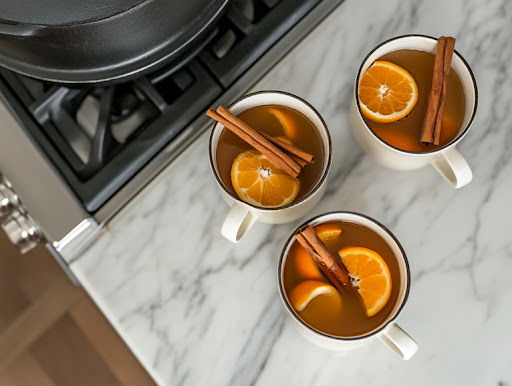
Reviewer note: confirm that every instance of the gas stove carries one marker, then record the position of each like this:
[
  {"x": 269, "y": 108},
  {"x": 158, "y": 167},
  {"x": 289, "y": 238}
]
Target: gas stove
[{"x": 72, "y": 157}]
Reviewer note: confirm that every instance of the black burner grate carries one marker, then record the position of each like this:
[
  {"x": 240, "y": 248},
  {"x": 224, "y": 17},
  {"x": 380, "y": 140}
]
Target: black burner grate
[{"x": 99, "y": 138}]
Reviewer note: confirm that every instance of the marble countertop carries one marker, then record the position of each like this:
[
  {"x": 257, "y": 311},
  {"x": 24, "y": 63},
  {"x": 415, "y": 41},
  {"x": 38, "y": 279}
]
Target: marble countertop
[{"x": 198, "y": 310}]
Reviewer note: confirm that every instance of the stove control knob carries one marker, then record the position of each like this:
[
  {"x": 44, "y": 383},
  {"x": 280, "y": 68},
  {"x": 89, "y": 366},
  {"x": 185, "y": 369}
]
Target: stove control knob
[
  {"x": 22, "y": 231},
  {"x": 8, "y": 199}
]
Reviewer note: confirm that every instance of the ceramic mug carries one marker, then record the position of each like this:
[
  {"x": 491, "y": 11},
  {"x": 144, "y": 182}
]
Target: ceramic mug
[
  {"x": 447, "y": 160},
  {"x": 242, "y": 216},
  {"x": 388, "y": 332}
]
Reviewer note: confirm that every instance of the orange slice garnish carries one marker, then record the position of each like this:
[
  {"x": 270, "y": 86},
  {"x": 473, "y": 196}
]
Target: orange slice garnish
[
  {"x": 289, "y": 128},
  {"x": 257, "y": 181},
  {"x": 305, "y": 265},
  {"x": 370, "y": 275},
  {"x": 328, "y": 231},
  {"x": 301, "y": 295},
  {"x": 387, "y": 92}
]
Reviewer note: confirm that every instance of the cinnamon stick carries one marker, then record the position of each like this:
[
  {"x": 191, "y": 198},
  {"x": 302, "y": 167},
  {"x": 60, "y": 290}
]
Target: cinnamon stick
[
  {"x": 293, "y": 150},
  {"x": 427, "y": 136},
  {"x": 333, "y": 269},
  {"x": 256, "y": 135},
  {"x": 432, "y": 124},
  {"x": 447, "y": 65},
  {"x": 256, "y": 140},
  {"x": 301, "y": 162}
]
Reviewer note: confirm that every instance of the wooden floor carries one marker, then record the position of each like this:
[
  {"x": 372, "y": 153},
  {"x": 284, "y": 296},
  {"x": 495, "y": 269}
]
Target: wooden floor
[{"x": 51, "y": 333}]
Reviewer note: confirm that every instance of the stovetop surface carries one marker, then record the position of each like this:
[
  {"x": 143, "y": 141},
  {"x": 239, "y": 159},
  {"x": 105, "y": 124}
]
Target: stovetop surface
[{"x": 99, "y": 138}]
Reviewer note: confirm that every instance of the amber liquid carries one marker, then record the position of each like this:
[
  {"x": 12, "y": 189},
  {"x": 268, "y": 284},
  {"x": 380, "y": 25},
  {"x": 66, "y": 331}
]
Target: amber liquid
[
  {"x": 306, "y": 137},
  {"x": 405, "y": 134},
  {"x": 350, "y": 318}
]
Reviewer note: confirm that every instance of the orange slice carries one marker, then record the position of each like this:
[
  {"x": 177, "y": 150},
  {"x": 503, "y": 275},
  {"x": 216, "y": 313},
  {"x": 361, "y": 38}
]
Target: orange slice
[
  {"x": 387, "y": 92},
  {"x": 370, "y": 275},
  {"x": 301, "y": 295},
  {"x": 328, "y": 231},
  {"x": 289, "y": 128},
  {"x": 257, "y": 181},
  {"x": 305, "y": 265}
]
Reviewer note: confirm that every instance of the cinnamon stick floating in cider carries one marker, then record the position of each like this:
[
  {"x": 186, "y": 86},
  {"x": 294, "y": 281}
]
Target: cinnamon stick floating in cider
[
  {"x": 293, "y": 150},
  {"x": 264, "y": 146},
  {"x": 433, "y": 119},
  {"x": 274, "y": 149},
  {"x": 333, "y": 269},
  {"x": 301, "y": 162}
]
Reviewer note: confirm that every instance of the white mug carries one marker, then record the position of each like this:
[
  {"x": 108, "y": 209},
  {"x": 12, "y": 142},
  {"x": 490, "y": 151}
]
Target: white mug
[
  {"x": 446, "y": 160},
  {"x": 242, "y": 215},
  {"x": 388, "y": 332}
]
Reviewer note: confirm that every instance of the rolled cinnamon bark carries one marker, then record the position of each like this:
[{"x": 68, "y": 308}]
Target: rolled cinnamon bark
[
  {"x": 293, "y": 150},
  {"x": 256, "y": 140},
  {"x": 333, "y": 269},
  {"x": 432, "y": 124}
]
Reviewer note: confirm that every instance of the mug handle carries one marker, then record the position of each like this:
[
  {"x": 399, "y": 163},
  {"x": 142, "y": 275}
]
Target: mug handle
[
  {"x": 399, "y": 341},
  {"x": 453, "y": 167},
  {"x": 238, "y": 221}
]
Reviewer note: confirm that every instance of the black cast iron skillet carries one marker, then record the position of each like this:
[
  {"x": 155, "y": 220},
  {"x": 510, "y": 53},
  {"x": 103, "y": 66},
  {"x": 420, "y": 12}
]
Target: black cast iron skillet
[{"x": 98, "y": 41}]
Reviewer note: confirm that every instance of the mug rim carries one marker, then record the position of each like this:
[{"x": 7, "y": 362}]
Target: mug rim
[
  {"x": 408, "y": 152},
  {"x": 313, "y": 190},
  {"x": 321, "y": 333}
]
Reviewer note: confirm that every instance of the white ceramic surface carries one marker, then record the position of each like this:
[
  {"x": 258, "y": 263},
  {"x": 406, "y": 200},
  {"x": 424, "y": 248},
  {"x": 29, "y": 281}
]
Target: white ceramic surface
[
  {"x": 447, "y": 160},
  {"x": 242, "y": 216},
  {"x": 199, "y": 310},
  {"x": 388, "y": 332}
]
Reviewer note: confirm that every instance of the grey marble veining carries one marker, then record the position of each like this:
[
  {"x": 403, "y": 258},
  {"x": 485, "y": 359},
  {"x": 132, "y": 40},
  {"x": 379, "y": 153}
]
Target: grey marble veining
[{"x": 198, "y": 310}]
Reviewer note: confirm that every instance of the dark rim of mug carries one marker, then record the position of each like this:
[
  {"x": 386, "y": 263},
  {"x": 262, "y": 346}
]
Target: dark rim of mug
[
  {"x": 457, "y": 138},
  {"x": 292, "y": 311},
  {"x": 318, "y": 183}
]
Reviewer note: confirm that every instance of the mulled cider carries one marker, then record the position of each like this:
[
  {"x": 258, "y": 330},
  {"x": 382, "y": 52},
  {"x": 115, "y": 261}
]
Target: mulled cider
[
  {"x": 394, "y": 96},
  {"x": 370, "y": 294},
  {"x": 255, "y": 178}
]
